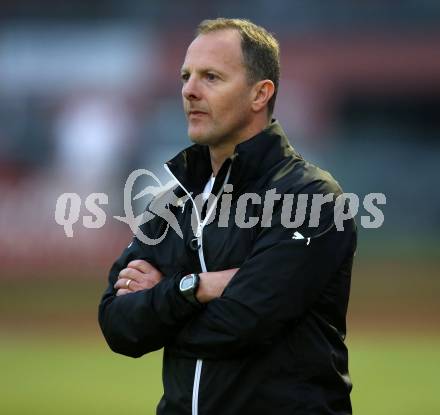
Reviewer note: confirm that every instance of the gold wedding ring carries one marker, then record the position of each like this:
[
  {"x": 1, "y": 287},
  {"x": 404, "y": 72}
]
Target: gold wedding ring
[{"x": 127, "y": 284}]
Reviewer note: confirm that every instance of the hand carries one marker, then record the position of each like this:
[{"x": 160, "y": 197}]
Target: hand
[
  {"x": 139, "y": 275},
  {"x": 212, "y": 284}
]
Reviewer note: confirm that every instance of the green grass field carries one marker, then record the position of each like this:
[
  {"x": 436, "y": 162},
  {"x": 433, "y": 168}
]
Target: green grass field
[{"x": 61, "y": 375}]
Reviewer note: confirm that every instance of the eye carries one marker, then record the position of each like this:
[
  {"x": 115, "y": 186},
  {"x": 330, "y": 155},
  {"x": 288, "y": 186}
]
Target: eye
[
  {"x": 184, "y": 77},
  {"x": 211, "y": 76}
]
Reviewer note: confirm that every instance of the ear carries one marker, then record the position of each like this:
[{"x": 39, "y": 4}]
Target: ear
[{"x": 262, "y": 93}]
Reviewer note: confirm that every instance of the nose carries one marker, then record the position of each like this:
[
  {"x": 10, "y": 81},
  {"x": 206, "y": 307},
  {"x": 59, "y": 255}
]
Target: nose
[{"x": 190, "y": 89}]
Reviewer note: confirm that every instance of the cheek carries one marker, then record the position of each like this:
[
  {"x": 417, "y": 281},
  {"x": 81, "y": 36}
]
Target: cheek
[{"x": 234, "y": 107}]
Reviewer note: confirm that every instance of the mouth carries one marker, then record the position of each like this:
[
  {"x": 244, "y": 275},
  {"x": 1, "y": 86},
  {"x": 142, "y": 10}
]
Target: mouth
[{"x": 195, "y": 113}]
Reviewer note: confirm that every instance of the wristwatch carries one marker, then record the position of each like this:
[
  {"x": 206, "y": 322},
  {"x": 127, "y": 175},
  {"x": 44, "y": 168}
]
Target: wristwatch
[{"x": 188, "y": 287}]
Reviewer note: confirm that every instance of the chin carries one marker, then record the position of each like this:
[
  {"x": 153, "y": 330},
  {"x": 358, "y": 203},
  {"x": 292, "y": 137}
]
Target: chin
[
  {"x": 198, "y": 137},
  {"x": 204, "y": 136}
]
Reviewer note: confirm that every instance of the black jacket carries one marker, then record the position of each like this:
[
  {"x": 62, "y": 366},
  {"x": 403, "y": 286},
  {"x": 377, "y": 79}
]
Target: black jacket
[{"x": 273, "y": 343}]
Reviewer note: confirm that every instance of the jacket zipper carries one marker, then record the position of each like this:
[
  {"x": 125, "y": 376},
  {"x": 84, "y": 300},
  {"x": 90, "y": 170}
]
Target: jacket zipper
[{"x": 199, "y": 235}]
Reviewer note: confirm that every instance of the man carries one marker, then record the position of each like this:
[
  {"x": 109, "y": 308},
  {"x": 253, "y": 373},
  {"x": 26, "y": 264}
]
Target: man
[{"x": 250, "y": 310}]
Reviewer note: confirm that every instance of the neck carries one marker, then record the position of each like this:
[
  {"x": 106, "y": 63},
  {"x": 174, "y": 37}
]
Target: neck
[
  {"x": 220, "y": 152},
  {"x": 218, "y": 156}
]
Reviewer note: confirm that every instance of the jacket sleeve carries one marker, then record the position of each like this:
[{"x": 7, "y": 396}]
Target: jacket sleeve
[
  {"x": 278, "y": 282},
  {"x": 143, "y": 321}
]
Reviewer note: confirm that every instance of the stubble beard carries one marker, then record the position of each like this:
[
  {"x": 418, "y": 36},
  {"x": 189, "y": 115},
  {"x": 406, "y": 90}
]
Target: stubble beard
[
  {"x": 213, "y": 136},
  {"x": 204, "y": 138}
]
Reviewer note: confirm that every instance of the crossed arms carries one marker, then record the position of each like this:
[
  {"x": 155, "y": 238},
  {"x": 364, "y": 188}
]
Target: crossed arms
[
  {"x": 141, "y": 275},
  {"x": 243, "y": 308}
]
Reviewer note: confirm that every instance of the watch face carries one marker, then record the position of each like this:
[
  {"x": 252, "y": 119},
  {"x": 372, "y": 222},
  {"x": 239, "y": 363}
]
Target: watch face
[{"x": 187, "y": 283}]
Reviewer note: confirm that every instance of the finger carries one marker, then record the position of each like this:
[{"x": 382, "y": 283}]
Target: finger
[
  {"x": 132, "y": 274},
  {"x": 122, "y": 291},
  {"x": 124, "y": 283},
  {"x": 141, "y": 265}
]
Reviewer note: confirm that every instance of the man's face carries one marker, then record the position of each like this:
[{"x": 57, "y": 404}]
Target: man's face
[{"x": 216, "y": 93}]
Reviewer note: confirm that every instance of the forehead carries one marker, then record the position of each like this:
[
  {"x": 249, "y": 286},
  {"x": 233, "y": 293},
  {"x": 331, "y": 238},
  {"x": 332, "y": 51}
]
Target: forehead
[{"x": 217, "y": 50}]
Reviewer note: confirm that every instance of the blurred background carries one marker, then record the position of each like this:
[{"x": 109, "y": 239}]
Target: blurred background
[{"x": 90, "y": 91}]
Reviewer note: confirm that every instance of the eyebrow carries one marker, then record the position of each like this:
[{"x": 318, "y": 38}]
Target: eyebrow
[{"x": 184, "y": 70}]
